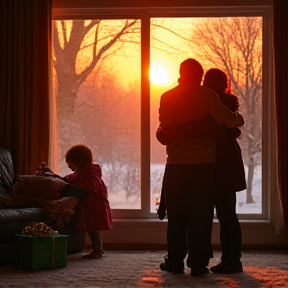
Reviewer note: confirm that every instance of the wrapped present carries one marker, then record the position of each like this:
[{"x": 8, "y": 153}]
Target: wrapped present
[
  {"x": 39, "y": 252},
  {"x": 39, "y": 229}
]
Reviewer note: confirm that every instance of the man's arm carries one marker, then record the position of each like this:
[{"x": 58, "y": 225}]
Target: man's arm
[
  {"x": 203, "y": 128},
  {"x": 207, "y": 127},
  {"x": 166, "y": 133},
  {"x": 222, "y": 114}
]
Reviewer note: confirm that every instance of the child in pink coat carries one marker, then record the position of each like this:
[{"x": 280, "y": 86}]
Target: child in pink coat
[{"x": 94, "y": 212}]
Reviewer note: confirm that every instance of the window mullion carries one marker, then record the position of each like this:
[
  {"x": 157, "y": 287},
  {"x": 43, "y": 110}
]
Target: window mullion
[{"x": 145, "y": 114}]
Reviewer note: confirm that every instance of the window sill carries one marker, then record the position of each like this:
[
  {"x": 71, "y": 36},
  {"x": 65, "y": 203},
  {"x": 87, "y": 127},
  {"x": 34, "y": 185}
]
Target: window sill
[
  {"x": 255, "y": 233},
  {"x": 164, "y": 221}
]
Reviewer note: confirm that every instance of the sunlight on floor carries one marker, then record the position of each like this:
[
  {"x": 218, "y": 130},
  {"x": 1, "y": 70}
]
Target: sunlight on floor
[{"x": 270, "y": 276}]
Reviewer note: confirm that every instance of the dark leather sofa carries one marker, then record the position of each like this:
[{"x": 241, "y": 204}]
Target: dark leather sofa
[{"x": 13, "y": 220}]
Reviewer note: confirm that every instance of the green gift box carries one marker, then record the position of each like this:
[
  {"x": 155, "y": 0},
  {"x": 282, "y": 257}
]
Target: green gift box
[{"x": 40, "y": 252}]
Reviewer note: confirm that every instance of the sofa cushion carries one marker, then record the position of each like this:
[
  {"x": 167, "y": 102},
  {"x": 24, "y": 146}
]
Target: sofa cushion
[
  {"x": 12, "y": 221},
  {"x": 7, "y": 175},
  {"x": 39, "y": 186},
  {"x": 2, "y": 190}
]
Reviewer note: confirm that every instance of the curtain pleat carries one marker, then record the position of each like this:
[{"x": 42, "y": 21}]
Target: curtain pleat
[
  {"x": 280, "y": 43},
  {"x": 25, "y": 27}
]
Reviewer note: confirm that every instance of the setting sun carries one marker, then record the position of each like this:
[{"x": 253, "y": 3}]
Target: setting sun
[{"x": 158, "y": 74}]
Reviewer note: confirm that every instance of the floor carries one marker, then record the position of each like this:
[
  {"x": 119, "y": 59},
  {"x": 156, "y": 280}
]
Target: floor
[{"x": 119, "y": 269}]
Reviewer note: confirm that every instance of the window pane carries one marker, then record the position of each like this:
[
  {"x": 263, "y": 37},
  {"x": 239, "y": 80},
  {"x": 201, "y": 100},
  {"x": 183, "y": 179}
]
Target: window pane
[
  {"x": 97, "y": 93},
  {"x": 233, "y": 44}
]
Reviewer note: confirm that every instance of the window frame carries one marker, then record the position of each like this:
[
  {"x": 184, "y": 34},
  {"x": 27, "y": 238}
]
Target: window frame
[{"x": 269, "y": 183}]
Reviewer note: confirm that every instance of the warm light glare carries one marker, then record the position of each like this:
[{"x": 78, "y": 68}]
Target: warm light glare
[{"x": 158, "y": 74}]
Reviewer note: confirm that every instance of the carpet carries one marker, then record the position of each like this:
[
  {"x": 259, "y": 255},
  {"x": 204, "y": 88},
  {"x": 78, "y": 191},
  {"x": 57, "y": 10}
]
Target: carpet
[{"x": 141, "y": 269}]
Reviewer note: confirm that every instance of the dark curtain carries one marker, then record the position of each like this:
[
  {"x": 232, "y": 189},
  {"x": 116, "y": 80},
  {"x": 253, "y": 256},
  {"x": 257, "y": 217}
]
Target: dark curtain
[
  {"x": 25, "y": 27},
  {"x": 280, "y": 25}
]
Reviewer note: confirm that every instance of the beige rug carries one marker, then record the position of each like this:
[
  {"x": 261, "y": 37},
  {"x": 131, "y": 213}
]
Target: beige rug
[{"x": 141, "y": 269}]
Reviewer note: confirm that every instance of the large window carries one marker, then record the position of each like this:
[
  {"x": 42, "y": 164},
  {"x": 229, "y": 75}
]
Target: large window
[
  {"x": 97, "y": 80},
  {"x": 104, "y": 100},
  {"x": 233, "y": 44}
]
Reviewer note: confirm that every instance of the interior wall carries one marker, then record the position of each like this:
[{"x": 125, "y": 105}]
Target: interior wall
[{"x": 152, "y": 235}]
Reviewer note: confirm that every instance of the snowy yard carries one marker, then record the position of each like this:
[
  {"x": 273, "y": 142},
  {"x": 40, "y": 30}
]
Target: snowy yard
[{"x": 118, "y": 200}]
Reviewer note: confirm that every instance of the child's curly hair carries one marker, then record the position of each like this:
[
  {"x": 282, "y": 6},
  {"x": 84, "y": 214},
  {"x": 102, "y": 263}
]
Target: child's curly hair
[{"x": 79, "y": 154}]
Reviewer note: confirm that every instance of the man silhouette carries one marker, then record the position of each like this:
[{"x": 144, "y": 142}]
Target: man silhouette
[{"x": 190, "y": 169}]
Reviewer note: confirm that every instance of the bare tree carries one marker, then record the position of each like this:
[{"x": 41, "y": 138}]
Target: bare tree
[
  {"x": 81, "y": 46},
  {"x": 235, "y": 45},
  {"x": 75, "y": 41},
  {"x": 111, "y": 126}
]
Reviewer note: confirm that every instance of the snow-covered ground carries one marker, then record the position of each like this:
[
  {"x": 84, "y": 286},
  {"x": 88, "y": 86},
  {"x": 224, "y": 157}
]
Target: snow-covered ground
[{"x": 118, "y": 200}]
